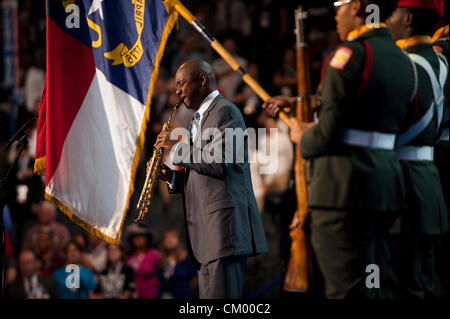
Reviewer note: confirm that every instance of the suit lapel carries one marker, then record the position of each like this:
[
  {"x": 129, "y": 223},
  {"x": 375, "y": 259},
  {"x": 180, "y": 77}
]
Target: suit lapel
[
  {"x": 205, "y": 116},
  {"x": 210, "y": 108}
]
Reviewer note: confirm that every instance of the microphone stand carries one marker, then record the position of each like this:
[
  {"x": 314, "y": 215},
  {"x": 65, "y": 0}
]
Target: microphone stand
[{"x": 22, "y": 139}]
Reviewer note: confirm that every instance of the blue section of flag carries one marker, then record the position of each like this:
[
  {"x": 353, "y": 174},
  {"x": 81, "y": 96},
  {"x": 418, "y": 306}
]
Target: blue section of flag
[{"x": 117, "y": 26}]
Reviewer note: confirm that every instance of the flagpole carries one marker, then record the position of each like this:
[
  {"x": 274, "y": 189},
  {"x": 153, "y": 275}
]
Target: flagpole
[{"x": 215, "y": 44}]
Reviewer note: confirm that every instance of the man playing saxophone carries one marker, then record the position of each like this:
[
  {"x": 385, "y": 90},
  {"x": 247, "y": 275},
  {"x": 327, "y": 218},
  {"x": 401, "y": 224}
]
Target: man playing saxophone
[{"x": 223, "y": 224}]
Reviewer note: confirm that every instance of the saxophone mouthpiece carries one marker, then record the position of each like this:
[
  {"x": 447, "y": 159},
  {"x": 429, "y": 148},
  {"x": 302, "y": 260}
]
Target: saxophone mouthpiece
[{"x": 180, "y": 101}]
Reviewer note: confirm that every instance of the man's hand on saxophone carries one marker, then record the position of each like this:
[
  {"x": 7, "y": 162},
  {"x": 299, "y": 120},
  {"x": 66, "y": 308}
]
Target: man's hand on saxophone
[{"x": 163, "y": 141}]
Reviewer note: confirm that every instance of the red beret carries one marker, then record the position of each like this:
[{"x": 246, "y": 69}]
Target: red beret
[{"x": 431, "y": 5}]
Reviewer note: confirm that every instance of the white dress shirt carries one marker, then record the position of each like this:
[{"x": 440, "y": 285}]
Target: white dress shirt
[{"x": 196, "y": 123}]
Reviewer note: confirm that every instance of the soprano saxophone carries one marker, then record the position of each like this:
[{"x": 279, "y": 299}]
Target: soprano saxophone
[{"x": 151, "y": 178}]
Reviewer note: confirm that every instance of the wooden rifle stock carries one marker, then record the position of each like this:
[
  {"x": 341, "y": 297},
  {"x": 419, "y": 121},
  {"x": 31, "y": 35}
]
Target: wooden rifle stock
[{"x": 299, "y": 269}]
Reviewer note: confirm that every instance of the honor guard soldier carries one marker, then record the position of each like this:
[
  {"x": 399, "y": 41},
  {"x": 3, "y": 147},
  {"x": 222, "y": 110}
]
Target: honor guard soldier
[
  {"x": 442, "y": 158},
  {"x": 441, "y": 45},
  {"x": 425, "y": 213},
  {"x": 357, "y": 187}
]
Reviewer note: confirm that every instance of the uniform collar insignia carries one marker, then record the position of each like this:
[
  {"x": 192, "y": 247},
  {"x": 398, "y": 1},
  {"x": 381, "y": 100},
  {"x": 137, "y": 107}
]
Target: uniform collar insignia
[
  {"x": 413, "y": 41},
  {"x": 364, "y": 29},
  {"x": 440, "y": 33}
]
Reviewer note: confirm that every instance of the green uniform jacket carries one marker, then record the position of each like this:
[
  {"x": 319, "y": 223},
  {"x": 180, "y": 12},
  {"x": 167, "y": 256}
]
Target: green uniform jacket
[
  {"x": 346, "y": 177},
  {"x": 442, "y": 157},
  {"x": 426, "y": 210}
]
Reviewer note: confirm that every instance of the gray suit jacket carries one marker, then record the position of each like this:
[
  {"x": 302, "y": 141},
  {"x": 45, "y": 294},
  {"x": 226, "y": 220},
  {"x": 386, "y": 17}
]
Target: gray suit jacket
[{"x": 221, "y": 214}]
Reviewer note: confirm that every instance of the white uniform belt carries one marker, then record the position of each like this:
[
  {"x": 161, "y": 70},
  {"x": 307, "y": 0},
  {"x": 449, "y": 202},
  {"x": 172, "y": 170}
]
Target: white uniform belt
[
  {"x": 415, "y": 153},
  {"x": 444, "y": 135},
  {"x": 373, "y": 140}
]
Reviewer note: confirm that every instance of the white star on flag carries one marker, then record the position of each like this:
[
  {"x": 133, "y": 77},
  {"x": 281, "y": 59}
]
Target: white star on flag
[{"x": 96, "y": 5}]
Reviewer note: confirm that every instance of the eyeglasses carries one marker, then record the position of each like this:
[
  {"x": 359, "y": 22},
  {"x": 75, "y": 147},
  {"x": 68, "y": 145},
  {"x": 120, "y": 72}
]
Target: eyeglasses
[{"x": 337, "y": 4}]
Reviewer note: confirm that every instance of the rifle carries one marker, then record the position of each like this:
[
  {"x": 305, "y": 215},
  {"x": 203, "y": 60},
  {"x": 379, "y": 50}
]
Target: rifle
[{"x": 299, "y": 269}]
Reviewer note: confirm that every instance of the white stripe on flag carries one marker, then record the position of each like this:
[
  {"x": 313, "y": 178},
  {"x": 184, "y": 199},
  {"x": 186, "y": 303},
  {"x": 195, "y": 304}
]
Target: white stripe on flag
[{"x": 93, "y": 175}]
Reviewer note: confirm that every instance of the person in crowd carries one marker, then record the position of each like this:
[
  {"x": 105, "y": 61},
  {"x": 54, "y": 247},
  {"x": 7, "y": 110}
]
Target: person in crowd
[
  {"x": 48, "y": 257},
  {"x": 96, "y": 254},
  {"x": 227, "y": 79},
  {"x": 117, "y": 280},
  {"x": 82, "y": 240},
  {"x": 73, "y": 280},
  {"x": 186, "y": 51},
  {"x": 275, "y": 139},
  {"x": 144, "y": 260},
  {"x": 177, "y": 275},
  {"x": 29, "y": 284},
  {"x": 285, "y": 77},
  {"x": 25, "y": 188},
  {"x": 10, "y": 260},
  {"x": 232, "y": 15},
  {"x": 248, "y": 102},
  {"x": 47, "y": 217}
]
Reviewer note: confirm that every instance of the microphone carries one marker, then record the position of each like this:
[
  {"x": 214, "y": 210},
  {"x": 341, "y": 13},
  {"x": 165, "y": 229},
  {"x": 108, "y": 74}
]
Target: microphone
[{"x": 19, "y": 134}]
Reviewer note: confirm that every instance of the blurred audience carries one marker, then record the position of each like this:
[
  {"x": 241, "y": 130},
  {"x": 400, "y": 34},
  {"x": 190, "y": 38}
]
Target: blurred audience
[
  {"x": 285, "y": 77},
  {"x": 177, "y": 276},
  {"x": 248, "y": 102},
  {"x": 47, "y": 218},
  {"x": 81, "y": 277},
  {"x": 232, "y": 15},
  {"x": 29, "y": 284},
  {"x": 96, "y": 254},
  {"x": 117, "y": 280},
  {"x": 34, "y": 84},
  {"x": 186, "y": 51},
  {"x": 49, "y": 258},
  {"x": 227, "y": 79},
  {"x": 144, "y": 260},
  {"x": 82, "y": 240},
  {"x": 275, "y": 179}
]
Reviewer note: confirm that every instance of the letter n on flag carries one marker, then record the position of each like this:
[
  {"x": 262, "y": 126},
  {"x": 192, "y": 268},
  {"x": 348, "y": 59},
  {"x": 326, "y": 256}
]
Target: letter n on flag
[{"x": 102, "y": 63}]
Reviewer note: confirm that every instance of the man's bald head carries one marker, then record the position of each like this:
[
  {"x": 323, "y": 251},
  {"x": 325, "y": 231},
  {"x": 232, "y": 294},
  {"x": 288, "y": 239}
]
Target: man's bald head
[
  {"x": 197, "y": 67},
  {"x": 195, "y": 80}
]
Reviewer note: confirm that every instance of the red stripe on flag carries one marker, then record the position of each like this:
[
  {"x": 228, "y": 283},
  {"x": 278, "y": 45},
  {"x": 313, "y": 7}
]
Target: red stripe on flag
[
  {"x": 41, "y": 137},
  {"x": 70, "y": 70}
]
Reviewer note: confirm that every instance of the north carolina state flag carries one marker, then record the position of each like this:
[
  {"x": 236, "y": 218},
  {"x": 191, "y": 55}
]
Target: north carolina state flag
[{"x": 96, "y": 103}]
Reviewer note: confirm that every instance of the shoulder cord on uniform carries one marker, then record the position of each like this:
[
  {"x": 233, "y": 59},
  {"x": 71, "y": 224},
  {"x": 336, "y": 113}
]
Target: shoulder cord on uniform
[
  {"x": 446, "y": 110},
  {"x": 415, "y": 77},
  {"x": 436, "y": 107}
]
